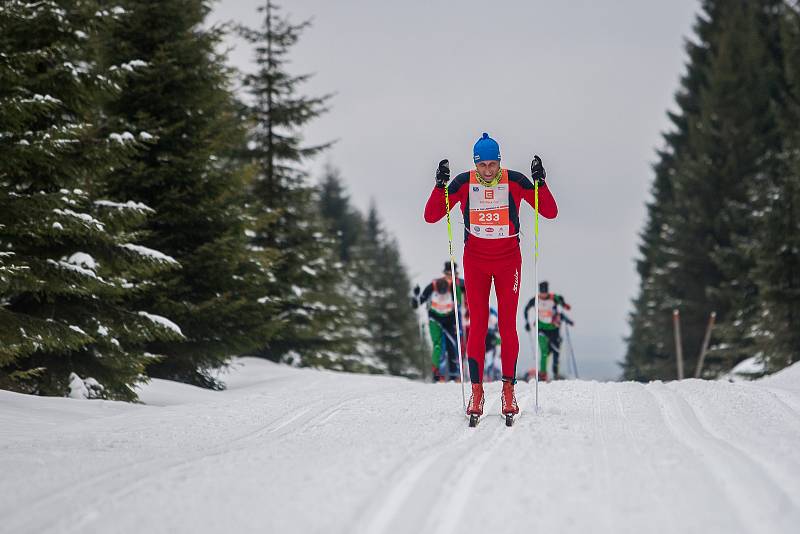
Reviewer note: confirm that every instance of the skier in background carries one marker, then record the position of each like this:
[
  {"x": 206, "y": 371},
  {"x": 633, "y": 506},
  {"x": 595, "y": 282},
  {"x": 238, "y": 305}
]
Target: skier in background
[
  {"x": 490, "y": 198},
  {"x": 549, "y": 335},
  {"x": 442, "y": 322},
  {"x": 493, "y": 369}
]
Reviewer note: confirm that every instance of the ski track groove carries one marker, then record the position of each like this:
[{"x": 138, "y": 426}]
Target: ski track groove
[
  {"x": 127, "y": 488},
  {"x": 66, "y": 491},
  {"x": 124, "y": 486},
  {"x": 599, "y": 430},
  {"x": 754, "y": 495},
  {"x": 632, "y": 440},
  {"x": 383, "y": 511},
  {"x": 755, "y": 459},
  {"x": 457, "y": 500}
]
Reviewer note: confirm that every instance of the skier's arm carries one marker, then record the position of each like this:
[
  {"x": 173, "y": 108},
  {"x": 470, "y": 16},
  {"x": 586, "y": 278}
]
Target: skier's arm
[
  {"x": 531, "y": 304},
  {"x": 561, "y": 302},
  {"x": 426, "y": 293},
  {"x": 547, "y": 204},
  {"x": 435, "y": 208}
]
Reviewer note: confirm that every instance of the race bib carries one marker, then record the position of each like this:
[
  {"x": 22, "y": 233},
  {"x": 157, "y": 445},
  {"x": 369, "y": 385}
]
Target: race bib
[
  {"x": 547, "y": 309},
  {"x": 488, "y": 208},
  {"x": 442, "y": 302}
]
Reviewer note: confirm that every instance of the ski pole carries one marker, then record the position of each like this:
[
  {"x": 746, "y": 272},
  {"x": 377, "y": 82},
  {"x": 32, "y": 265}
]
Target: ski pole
[
  {"x": 536, "y": 286},
  {"x": 456, "y": 309},
  {"x": 571, "y": 351}
]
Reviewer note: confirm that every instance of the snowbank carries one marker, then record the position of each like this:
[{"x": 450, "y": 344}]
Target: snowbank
[{"x": 788, "y": 378}]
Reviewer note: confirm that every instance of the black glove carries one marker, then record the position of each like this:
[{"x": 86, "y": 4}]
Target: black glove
[
  {"x": 414, "y": 303},
  {"x": 538, "y": 173},
  {"x": 527, "y": 327},
  {"x": 416, "y": 290},
  {"x": 443, "y": 174}
]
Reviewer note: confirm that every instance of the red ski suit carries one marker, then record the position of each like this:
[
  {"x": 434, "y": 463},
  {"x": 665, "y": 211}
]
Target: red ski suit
[{"x": 487, "y": 259}]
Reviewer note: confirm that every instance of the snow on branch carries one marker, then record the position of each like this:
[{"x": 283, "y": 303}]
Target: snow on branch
[
  {"x": 149, "y": 253},
  {"x": 75, "y": 268},
  {"x": 85, "y": 217},
  {"x": 124, "y": 137},
  {"x": 162, "y": 321},
  {"x": 129, "y": 205}
]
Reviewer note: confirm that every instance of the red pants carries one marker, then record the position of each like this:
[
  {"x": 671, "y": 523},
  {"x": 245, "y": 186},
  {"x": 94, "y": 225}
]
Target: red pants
[{"x": 478, "y": 274}]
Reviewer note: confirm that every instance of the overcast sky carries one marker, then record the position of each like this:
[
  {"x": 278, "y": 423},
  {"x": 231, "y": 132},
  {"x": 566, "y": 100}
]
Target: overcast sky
[{"x": 584, "y": 84}]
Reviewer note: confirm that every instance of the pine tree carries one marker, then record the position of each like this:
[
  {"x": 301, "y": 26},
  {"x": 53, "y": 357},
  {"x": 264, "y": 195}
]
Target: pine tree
[
  {"x": 650, "y": 347},
  {"x": 391, "y": 323},
  {"x": 69, "y": 264},
  {"x": 703, "y": 241},
  {"x": 777, "y": 261},
  {"x": 181, "y": 100},
  {"x": 740, "y": 143},
  {"x": 345, "y": 222},
  {"x": 311, "y": 313}
]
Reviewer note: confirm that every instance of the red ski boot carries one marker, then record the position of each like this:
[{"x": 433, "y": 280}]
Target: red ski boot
[
  {"x": 475, "y": 408},
  {"x": 510, "y": 407}
]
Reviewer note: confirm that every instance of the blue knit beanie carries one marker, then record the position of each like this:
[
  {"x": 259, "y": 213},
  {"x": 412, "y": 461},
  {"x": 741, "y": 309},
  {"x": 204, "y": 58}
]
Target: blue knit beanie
[{"x": 486, "y": 149}]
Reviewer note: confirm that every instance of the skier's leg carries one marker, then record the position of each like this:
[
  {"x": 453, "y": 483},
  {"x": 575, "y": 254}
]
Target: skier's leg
[
  {"x": 478, "y": 284},
  {"x": 436, "y": 338},
  {"x": 507, "y": 280},
  {"x": 544, "y": 351},
  {"x": 450, "y": 342},
  {"x": 555, "y": 348}
]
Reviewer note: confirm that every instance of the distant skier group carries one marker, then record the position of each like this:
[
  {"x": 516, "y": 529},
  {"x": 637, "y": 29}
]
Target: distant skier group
[
  {"x": 490, "y": 198},
  {"x": 438, "y": 296}
]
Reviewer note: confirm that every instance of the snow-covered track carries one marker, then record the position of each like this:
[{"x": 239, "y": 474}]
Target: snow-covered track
[{"x": 287, "y": 450}]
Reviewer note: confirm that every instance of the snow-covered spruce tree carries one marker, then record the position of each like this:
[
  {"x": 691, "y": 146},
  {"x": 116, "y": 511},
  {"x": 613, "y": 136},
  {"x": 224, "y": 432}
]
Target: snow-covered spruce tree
[
  {"x": 343, "y": 219},
  {"x": 349, "y": 227},
  {"x": 393, "y": 333},
  {"x": 69, "y": 265},
  {"x": 777, "y": 259},
  {"x": 180, "y": 97},
  {"x": 311, "y": 311}
]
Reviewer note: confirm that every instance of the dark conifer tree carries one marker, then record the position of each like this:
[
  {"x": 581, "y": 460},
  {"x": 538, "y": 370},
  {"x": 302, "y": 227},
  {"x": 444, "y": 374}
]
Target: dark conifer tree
[
  {"x": 650, "y": 351},
  {"x": 345, "y": 222},
  {"x": 311, "y": 312},
  {"x": 392, "y": 325},
  {"x": 181, "y": 101},
  {"x": 777, "y": 256},
  {"x": 738, "y": 146},
  {"x": 70, "y": 267},
  {"x": 702, "y": 247}
]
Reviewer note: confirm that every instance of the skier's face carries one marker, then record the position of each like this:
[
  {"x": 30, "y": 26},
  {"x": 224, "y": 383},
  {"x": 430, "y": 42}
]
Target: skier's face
[{"x": 488, "y": 169}]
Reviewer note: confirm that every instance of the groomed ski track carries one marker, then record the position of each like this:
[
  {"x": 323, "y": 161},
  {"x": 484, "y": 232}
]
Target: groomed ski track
[{"x": 288, "y": 450}]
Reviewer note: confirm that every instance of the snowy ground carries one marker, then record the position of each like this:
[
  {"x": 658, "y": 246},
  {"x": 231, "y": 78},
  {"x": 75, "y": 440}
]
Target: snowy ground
[{"x": 287, "y": 450}]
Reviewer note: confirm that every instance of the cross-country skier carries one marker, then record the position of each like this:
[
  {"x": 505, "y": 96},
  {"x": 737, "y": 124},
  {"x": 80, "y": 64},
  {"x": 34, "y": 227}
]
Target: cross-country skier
[
  {"x": 442, "y": 322},
  {"x": 490, "y": 198},
  {"x": 549, "y": 336}
]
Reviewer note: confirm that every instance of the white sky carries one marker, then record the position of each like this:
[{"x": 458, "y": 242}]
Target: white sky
[{"x": 584, "y": 84}]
